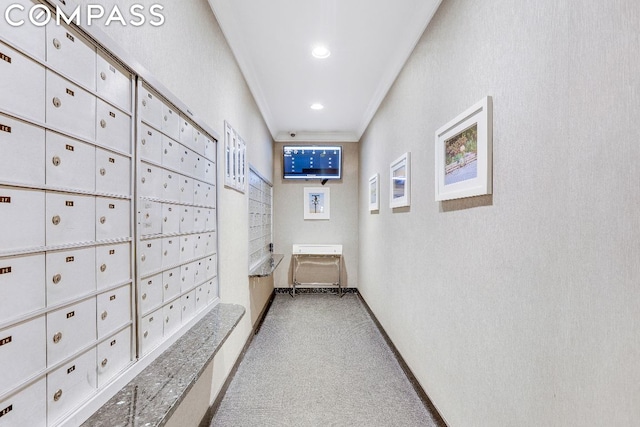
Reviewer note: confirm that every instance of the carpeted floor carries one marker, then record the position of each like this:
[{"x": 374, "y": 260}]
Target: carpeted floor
[{"x": 319, "y": 360}]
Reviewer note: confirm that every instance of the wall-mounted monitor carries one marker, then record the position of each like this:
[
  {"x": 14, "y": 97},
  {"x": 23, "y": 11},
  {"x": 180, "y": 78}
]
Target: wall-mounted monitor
[{"x": 312, "y": 162}]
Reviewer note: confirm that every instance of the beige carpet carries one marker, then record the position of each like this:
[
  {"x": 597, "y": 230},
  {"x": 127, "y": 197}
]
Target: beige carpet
[{"x": 319, "y": 360}]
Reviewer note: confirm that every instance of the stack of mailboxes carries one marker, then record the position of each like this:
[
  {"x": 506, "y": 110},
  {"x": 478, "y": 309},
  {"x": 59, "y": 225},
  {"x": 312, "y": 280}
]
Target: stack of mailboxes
[{"x": 98, "y": 266}]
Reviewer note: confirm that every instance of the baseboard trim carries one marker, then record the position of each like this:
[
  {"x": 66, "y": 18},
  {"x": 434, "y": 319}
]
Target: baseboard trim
[
  {"x": 211, "y": 412},
  {"x": 424, "y": 397}
]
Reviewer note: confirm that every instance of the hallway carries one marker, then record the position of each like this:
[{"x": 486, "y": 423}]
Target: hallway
[{"x": 320, "y": 360}]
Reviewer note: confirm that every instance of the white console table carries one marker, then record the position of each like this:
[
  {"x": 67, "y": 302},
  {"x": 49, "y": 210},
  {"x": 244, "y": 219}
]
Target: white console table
[{"x": 312, "y": 262}]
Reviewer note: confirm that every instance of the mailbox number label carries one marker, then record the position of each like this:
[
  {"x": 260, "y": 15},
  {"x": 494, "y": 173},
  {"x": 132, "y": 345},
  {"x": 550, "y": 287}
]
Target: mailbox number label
[{"x": 5, "y": 270}]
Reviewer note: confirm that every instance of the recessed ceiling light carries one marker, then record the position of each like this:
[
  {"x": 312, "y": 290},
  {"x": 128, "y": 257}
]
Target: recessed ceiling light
[
  {"x": 321, "y": 52},
  {"x": 317, "y": 106}
]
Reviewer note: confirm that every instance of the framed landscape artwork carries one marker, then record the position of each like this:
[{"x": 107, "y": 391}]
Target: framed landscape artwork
[
  {"x": 463, "y": 154},
  {"x": 374, "y": 193},
  {"x": 400, "y": 182}
]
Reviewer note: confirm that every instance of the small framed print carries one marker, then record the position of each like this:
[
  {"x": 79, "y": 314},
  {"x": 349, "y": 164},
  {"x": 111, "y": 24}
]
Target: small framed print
[
  {"x": 317, "y": 203},
  {"x": 374, "y": 193},
  {"x": 463, "y": 157},
  {"x": 400, "y": 181}
]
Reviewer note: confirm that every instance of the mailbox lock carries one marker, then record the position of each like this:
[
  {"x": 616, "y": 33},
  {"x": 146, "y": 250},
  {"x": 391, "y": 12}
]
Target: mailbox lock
[
  {"x": 103, "y": 315},
  {"x": 167, "y": 319},
  {"x": 165, "y": 219},
  {"x": 144, "y": 297},
  {"x": 56, "y": 161},
  {"x": 146, "y": 334},
  {"x": 165, "y": 185},
  {"x": 103, "y": 124},
  {"x": 103, "y": 76},
  {"x": 57, "y": 278},
  {"x": 143, "y": 180},
  {"x": 166, "y": 118},
  {"x": 57, "y": 337},
  {"x": 57, "y": 44},
  {"x": 103, "y": 171},
  {"x": 144, "y": 102},
  {"x": 144, "y": 141},
  {"x": 104, "y": 362},
  {"x": 56, "y": 102},
  {"x": 103, "y": 267},
  {"x": 144, "y": 257},
  {"x": 103, "y": 220},
  {"x": 166, "y": 286},
  {"x": 166, "y": 253},
  {"x": 56, "y": 220},
  {"x": 57, "y": 395}
]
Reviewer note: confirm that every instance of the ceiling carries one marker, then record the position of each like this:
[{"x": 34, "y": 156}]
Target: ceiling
[{"x": 369, "y": 40}]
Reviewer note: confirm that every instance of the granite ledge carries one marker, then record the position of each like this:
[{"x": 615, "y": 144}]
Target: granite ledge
[{"x": 154, "y": 394}]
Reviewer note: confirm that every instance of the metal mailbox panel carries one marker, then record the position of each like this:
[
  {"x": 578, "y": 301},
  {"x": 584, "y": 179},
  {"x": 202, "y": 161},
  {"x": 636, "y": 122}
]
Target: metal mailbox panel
[
  {"x": 29, "y": 38},
  {"x": 186, "y": 133},
  {"x": 210, "y": 219},
  {"x": 170, "y": 186},
  {"x": 70, "y": 274},
  {"x": 70, "y": 385},
  {"x": 200, "y": 245},
  {"x": 170, "y": 251},
  {"x": 199, "y": 275},
  {"x": 186, "y": 190},
  {"x": 70, "y": 108},
  {"x": 209, "y": 148},
  {"x": 24, "y": 80},
  {"x": 71, "y": 54},
  {"x": 150, "y": 218},
  {"x": 113, "y": 356},
  {"x": 112, "y": 218},
  {"x": 199, "y": 142},
  {"x": 150, "y": 108},
  {"x": 113, "y": 265},
  {"x": 23, "y": 152},
  {"x": 209, "y": 171},
  {"x": 199, "y": 167},
  {"x": 150, "y": 181},
  {"x": 70, "y": 218},
  {"x": 149, "y": 256},
  {"x": 188, "y": 306},
  {"x": 151, "y": 331},
  {"x": 150, "y": 293},
  {"x": 113, "y": 127},
  {"x": 171, "y": 317},
  {"x": 212, "y": 243},
  {"x": 28, "y": 407},
  {"x": 187, "y": 275},
  {"x": 210, "y": 195},
  {"x": 21, "y": 285},
  {"x": 187, "y": 248},
  {"x": 199, "y": 219},
  {"x": 69, "y": 329},
  {"x": 186, "y": 219},
  {"x": 22, "y": 225},
  {"x": 187, "y": 161},
  {"x": 198, "y": 193},
  {"x": 170, "y": 284},
  {"x": 150, "y": 144},
  {"x": 211, "y": 266},
  {"x": 22, "y": 352},
  {"x": 170, "y": 122},
  {"x": 171, "y": 153},
  {"x": 114, "y": 310},
  {"x": 70, "y": 163},
  {"x": 170, "y": 218},
  {"x": 113, "y": 82},
  {"x": 113, "y": 173},
  {"x": 201, "y": 296}
]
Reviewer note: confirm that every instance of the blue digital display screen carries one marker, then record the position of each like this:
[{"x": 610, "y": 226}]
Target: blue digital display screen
[{"x": 312, "y": 162}]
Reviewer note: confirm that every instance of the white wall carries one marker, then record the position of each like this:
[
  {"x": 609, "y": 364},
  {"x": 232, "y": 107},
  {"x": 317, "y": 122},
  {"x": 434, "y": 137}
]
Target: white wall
[
  {"x": 191, "y": 57},
  {"x": 289, "y": 225},
  {"x": 521, "y": 308}
]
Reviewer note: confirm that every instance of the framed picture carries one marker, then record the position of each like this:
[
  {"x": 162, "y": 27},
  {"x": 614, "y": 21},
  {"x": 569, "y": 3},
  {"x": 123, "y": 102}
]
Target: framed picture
[
  {"x": 400, "y": 181},
  {"x": 463, "y": 157},
  {"x": 317, "y": 203},
  {"x": 374, "y": 193}
]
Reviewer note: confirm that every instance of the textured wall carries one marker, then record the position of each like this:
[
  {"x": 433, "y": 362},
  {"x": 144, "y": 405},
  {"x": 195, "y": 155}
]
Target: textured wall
[
  {"x": 191, "y": 57},
  {"x": 289, "y": 225},
  {"x": 521, "y": 308}
]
